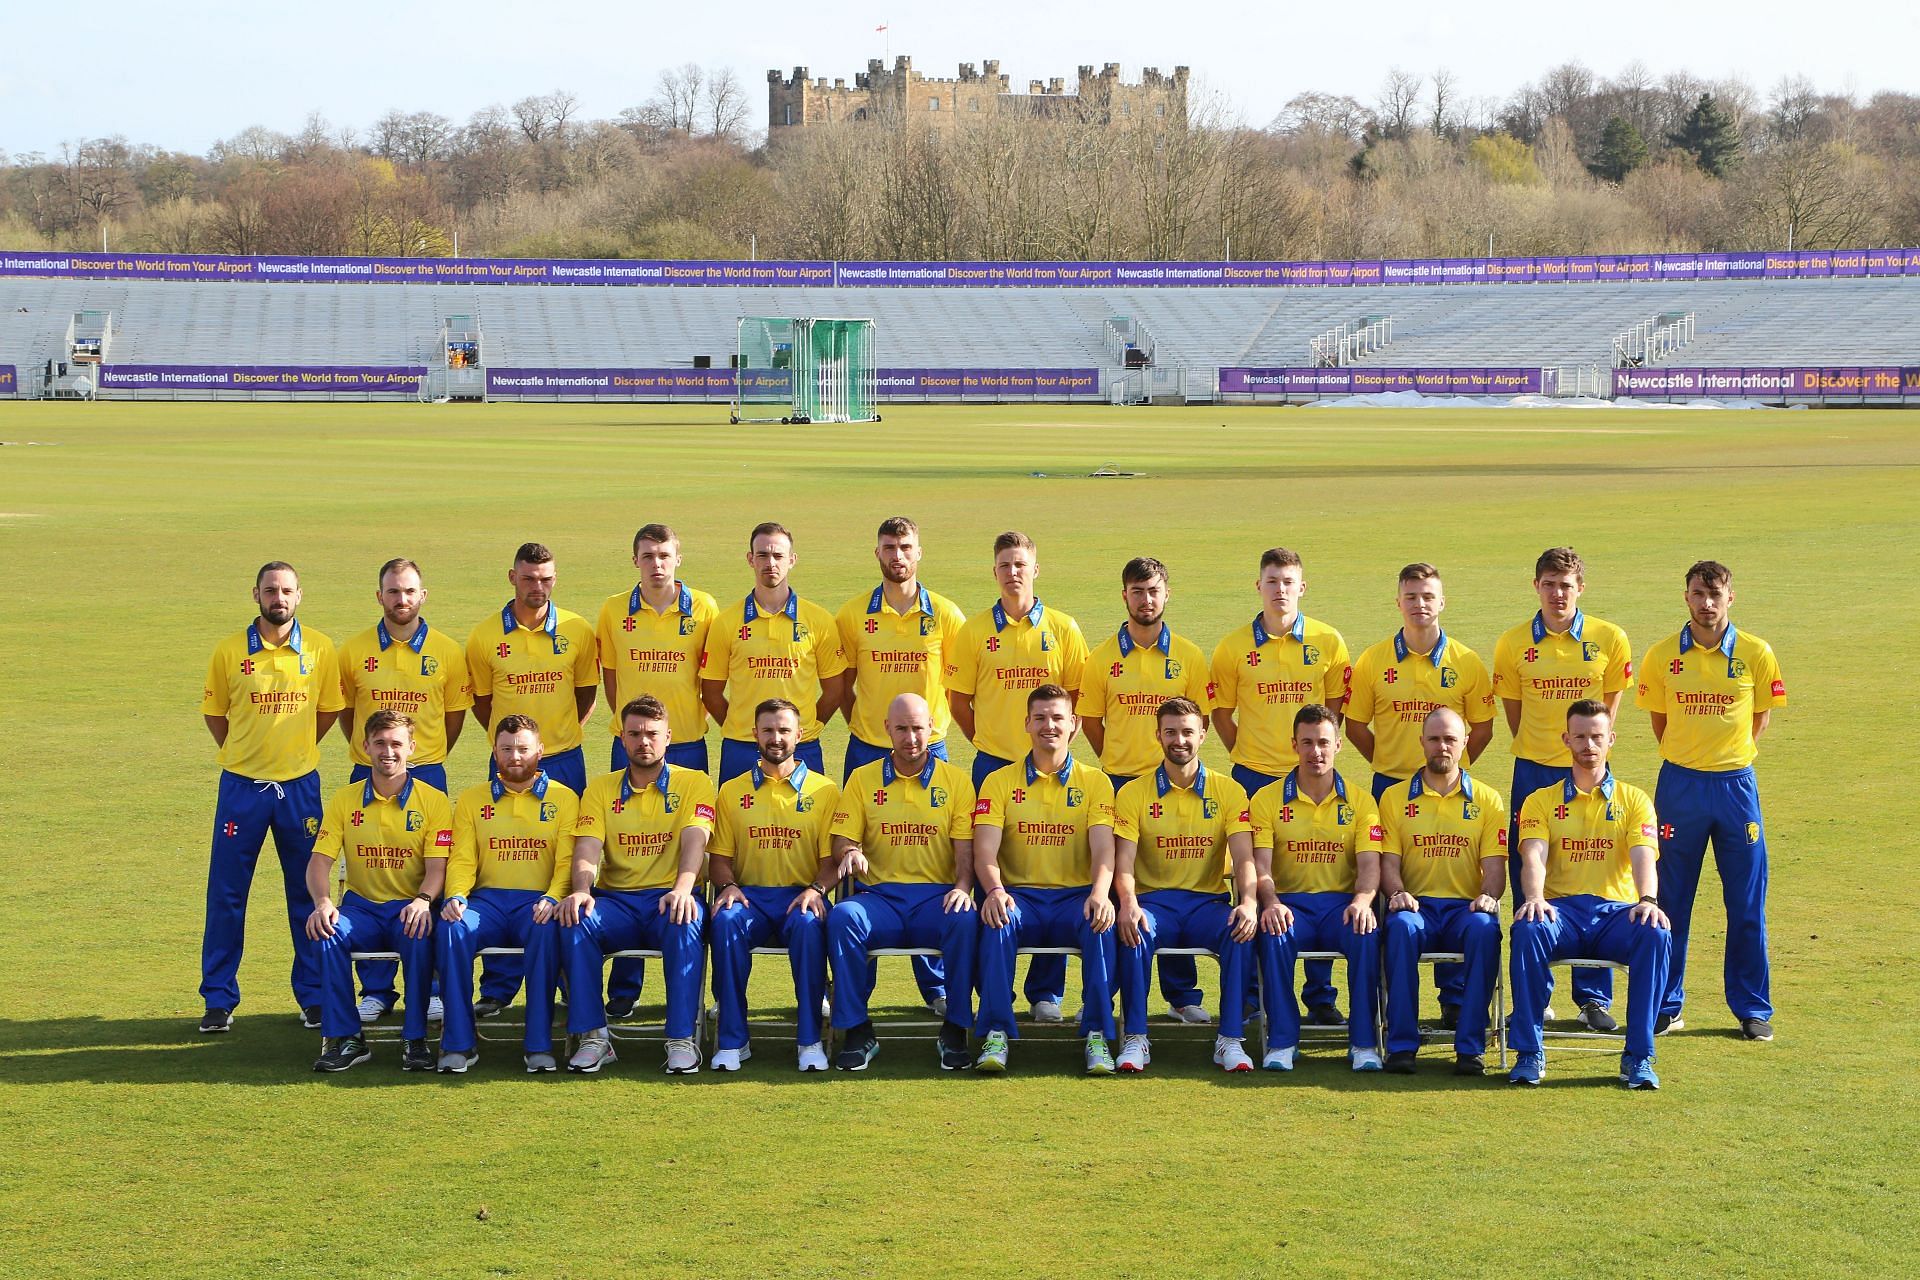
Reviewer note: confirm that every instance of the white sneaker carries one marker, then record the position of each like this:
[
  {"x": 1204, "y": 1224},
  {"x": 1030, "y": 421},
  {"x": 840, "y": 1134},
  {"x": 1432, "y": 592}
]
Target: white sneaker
[
  {"x": 372, "y": 1009},
  {"x": 813, "y": 1057},
  {"x": 1230, "y": 1054},
  {"x": 436, "y": 1012},
  {"x": 730, "y": 1059},
  {"x": 1365, "y": 1060},
  {"x": 1046, "y": 1011},
  {"x": 1548, "y": 1015},
  {"x": 683, "y": 1058},
  {"x": 1194, "y": 1015},
  {"x": 826, "y": 1009},
  {"x": 939, "y": 1006},
  {"x": 1135, "y": 1054},
  {"x": 1278, "y": 1059},
  {"x": 595, "y": 1051}
]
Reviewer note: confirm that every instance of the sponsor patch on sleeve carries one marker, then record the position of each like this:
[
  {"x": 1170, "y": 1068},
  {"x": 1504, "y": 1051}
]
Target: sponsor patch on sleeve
[
  {"x": 1376, "y": 832},
  {"x": 1779, "y": 688},
  {"x": 981, "y": 808},
  {"x": 1246, "y": 815},
  {"x": 1500, "y": 837},
  {"x": 1629, "y": 671},
  {"x": 1646, "y": 829},
  {"x": 443, "y": 839},
  {"x": 703, "y": 811}
]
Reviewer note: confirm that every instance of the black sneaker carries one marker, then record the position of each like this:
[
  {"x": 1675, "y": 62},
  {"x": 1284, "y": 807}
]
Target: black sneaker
[
  {"x": 1668, "y": 1022},
  {"x": 1400, "y": 1063},
  {"x": 1595, "y": 1015},
  {"x": 1756, "y": 1028},
  {"x": 487, "y": 1007},
  {"x": 953, "y": 1047},
  {"x": 338, "y": 1055},
  {"x": 310, "y": 1017},
  {"x": 620, "y": 1007},
  {"x": 1469, "y": 1064},
  {"x": 1324, "y": 1015},
  {"x": 1449, "y": 1017},
  {"x": 858, "y": 1049},
  {"x": 216, "y": 1022},
  {"x": 417, "y": 1057}
]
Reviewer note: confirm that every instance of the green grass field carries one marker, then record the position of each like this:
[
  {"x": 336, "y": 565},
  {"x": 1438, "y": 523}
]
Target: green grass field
[{"x": 136, "y": 1147}]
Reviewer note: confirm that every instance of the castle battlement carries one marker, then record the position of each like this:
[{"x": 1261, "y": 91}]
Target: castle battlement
[{"x": 899, "y": 94}]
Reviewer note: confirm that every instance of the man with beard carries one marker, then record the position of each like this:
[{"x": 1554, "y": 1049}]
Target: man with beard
[
  {"x": 1128, "y": 677},
  {"x": 272, "y": 692}
]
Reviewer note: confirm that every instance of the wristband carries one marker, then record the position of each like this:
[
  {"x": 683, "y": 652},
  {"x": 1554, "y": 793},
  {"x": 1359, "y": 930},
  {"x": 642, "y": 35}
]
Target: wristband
[
  {"x": 819, "y": 888},
  {"x": 423, "y": 897},
  {"x": 1647, "y": 897}
]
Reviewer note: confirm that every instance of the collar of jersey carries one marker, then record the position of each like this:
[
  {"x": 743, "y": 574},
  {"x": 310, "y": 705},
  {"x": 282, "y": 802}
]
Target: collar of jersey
[
  {"x": 791, "y": 608},
  {"x": 1290, "y": 789},
  {"x": 887, "y": 773},
  {"x": 1416, "y": 788},
  {"x": 1686, "y": 638},
  {"x": 1164, "y": 644},
  {"x": 255, "y": 644},
  {"x": 1569, "y": 791},
  {"x": 416, "y": 644},
  {"x": 878, "y": 600},
  {"x": 1033, "y": 774},
  {"x": 662, "y": 782},
  {"x": 1400, "y": 649},
  {"x": 368, "y": 795},
  {"x": 509, "y": 624},
  {"x": 1576, "y": 628},
  {"x": 1298, "y": 630},
  {"x": 1164, "y": 784},
  {"x": 798, "y": 777},
  {"x": 538, "y": 790},
  {"x": 683, "y": 606},
  {"x": 1000, "y": 614}
]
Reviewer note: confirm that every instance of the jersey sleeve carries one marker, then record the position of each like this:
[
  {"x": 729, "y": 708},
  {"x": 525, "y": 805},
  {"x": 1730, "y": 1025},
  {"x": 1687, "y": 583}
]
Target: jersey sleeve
[
  {"x": 463, "y": 865},
  {"x": 1264, "y": 811},
  {"x": 697, "y": 805},
  {"x": 1339, "y": 681},
  {"x": 828, "y": 806},
  {"x": 567, "y": 819},
  {"x": 1224, "y": 676},
  {"x": 1769, "y": 689},
  {"x": 1619, "y": 665},
  {"x": 1237, "y": 808},
  {"x": 1493, "y": 824},
  {"x": 479, "y": 664},
  {"x": 960, "y": 808},
  {"x": 1478, "y": 695},
  {"x": 349, "y": 672},
  {"x": 327, "y": 677},
  {"x": 846, "y": 627},
  {"x": 1642, "y": 826},
  {"x": 1199, "y": 687},
  {"x": 1533, "y": 817},
  {"x": 850, "y": 815},
  {"x": 1126, "y": 812},
  {"x": 439, "y": 815},
  {"x": 952, "y": 623},
  {"x": 1506, "y": 669},
  {"x": 1393, "y": 819},
  {"x": 1073, "y": 658},
  {"x": 963, "y": 661},
  {"x": 1093, "y": 688},
  {"x": 591, "y": 821},
  {"x": 990, "y": 809},
  {"x": 1367, "y": 833},
  {"x": 830, "y": 656},
  {"x": 605, "y": 647},
  {"x": 1651, "y": 693},
  {"x": 1099, "y": 800},
  {"x": 717, "y": 655},
  {"x": 586, "y": 662},
  {"x": 1360, "y": 690},
  {"x": 457, "y": 681},
  {"x": 330, "y": 841},
  {"x": 216, "y": 697}
]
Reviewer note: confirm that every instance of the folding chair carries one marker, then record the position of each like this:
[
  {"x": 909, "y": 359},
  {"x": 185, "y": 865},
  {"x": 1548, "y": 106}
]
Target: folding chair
[
  {"x": 1310, "y": 1034},
  {"x": 1027, "y": 1024},
  {"x": 1617, "y": 1040},
  {"x": 387, "y": 1030},
  {"x": 1165, "y": 1021},
  {"x": 1497, "y": 1014},
  {"x": 633, "y": 1029},
  {"x": 883, "y": 1028}
]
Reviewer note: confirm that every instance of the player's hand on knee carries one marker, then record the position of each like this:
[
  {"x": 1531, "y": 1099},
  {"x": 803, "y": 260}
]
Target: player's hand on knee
[
  {"x": 679, "y": 907},
  {"x": 1403, "y": 901},
  {"x": 1537, "y": 909},
  {"x": 1098, "y": 912},
  {"x": 854, "y": 863},
  {"x": 1130, "y": 917},
  {"x": 1243, "y": 922},
  {"x": 1359, "y": 917},
  {"x": 1276, "y": 919},
  {"x": 544, "y": 910},
  {"x": 573, "y": 907},
  {"x": 996, "y": 907},
  {"x": 1648, "y": 912},
  {"x": 320, "y": 924},
  {"x": 416, "y": 919},
  {"x": 1487, "y": 905},
  {"x": 453, "y": 909}
]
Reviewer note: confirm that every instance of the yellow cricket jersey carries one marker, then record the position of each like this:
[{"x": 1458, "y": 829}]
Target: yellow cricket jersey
[
  {"x": 1124, "y": 684},
  {"x": 1315, "y": 846},
  {"x": 772, "y": 655},
  {"x": 1394, "y": 689},
  {"x": 1264, "y": 679},
  {"x": 1180, "y": 833},
  {"x": 906, "y": 825},
  {"x": 1441, "y": 837},
  {"x": 999, "y": 659},
  {"x": 535, "y": 672},
  {"x": 1710, "y": 696},
  {"x": 640, "y": 830},
  {"x": 892, "y": 653},
  {"x": 425, "y": 678},
  {"x": 776, "y": 830},
  {"x": 513, "y": 839},
  {"x": 271, "y": 695},
  {"x": 1545, "y": 670},
  {"x": 1044, "y": 820},
  {"x": 385, "y": 840},
  {"x": 1588, "y": 834},
  {"x": 657, "y": 653}
]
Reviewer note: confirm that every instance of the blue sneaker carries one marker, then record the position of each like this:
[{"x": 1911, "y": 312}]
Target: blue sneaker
[
  {"x": 1637, "y": 1073},
  {"x": 1528, "y": 1068}
]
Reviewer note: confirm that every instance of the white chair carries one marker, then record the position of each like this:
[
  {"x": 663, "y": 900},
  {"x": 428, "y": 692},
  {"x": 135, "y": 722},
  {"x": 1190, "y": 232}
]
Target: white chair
[
  {"x": 633, "y": 1028},
  {"x": 1497, "y": 1014},
  {"x": 1614, "y": 1041},
  {"x": 1310, "y": 1034}
]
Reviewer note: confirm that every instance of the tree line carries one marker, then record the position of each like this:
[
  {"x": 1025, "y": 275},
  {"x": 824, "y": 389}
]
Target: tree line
[{"x": 1570, "y": 163}]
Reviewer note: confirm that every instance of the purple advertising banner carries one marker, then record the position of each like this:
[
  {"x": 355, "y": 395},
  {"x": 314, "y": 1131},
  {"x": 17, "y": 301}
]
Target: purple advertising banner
[
  {"x": 1373, "y": 381},
  {"x": 9, "y": 381},
  {"x": 1604, "y": 268},
  {"x": 1838, "y": 382},
  {"x": 389, "y": 379},
  {"x": 713, "y": 384}
]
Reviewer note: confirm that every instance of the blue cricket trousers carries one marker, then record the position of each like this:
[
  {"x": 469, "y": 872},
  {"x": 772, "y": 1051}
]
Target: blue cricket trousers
[
  {"x": 899, "y": 915},
  {"x": 1441, "y": 924},
  {"x": 1317, "y": 926},
  {"x": 245, "y": 811},
  {"x": 1725, "y": 808},
  {"x": 633, "y": 921},
  {"x": 370, "y": 926},
  {"x": 1184, "y": 918},
  {"x": 1046, "y": 918},
  {"x": 763, "y": 922},
  {"x": 1598, "y": 928}
]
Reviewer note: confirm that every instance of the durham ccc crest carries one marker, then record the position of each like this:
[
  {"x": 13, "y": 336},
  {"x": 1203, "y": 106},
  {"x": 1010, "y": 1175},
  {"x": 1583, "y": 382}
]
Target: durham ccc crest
[
  {"x": 673, "y": 802},
  {"x": 313, "y": 826},
  {"x": 1074, "y": 796},
  {"x": 1343, "y": 815},
  {"x": 429, "y": 666},
  {"x": 1449, "y": 677},
  {"x": 548, "y": 811},
  {"x": 1753, "y": 833},
  {"x": 1735, "y": 668},
  {"x": 686, "y": 625},
  {"x": 937, "y": 797},
  {"x": 1589, "y": 651},
  {"x": 1209, "y": 807},
  {"x": 1309, "y": 655}
]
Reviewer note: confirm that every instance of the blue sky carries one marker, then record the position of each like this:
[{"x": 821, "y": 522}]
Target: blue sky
[{"x": 181, "y": 76}]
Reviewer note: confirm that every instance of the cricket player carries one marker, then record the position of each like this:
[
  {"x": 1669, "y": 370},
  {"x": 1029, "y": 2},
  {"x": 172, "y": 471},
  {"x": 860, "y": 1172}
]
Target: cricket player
[
  {"x": 1711, "y": 691},
  {"x": 512, "y": 859},
  {"x": 1043, "y": 855},
  {"x": 650, "y": 640},
  {"x": 1589, "y": 887},
  {"x": 772, "y": 645},
  {"x": 1184, "y": 877},
  {"x": 1561, "y": 656},
  {"x": 1316, "y": 849},
  {"x": 772, "y": 869},
  {"x": 537, "y": 660},
  {"x": 903, "y": 837},
  {"x": 272, "y": 693},
  {"x": 1443, "y": 866},
  {"x": 394, "y": 831},
  {"x": 638, "y": 851}
]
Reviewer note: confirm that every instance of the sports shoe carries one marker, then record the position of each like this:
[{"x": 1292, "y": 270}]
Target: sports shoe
[
  {"x": 1637, "y": 1073},
  {"x": 683, "y": 1057},
  {"x": 993, "y": 1054},
  {"x": 1595, "y": 1016},
  {"x": 1194, "y": 1015},
  {"x": 859, "y": 1048},
  {"x": 1364, "y": 1059},
  {"x": 938, "y": 1007},
  {"x": 1046, "y": 1011},
  {"x": 1279, "y": 1059},
  {"x": 1548, "y": 1015},
  {"x": 1400, "y": 1062},
  {"x": 1099, "y": 1057},
  {"x": 1449, "y": 1017},
  {"x": 310, "y": 1017},
  {"x": 1756, "y": 1028},
  {"x": 216, "y": 1022},
  {"x": 436, "y": 1011},
  {"x": 620, "y": 1008},
  {"x": 487, "y": 1007},
  {"x": 813, "y": 1057},
  {"x": 1469, "y": 1064},
  {"x": 338, "y": 1055},
  {"x": 1324, "y": 1015},
  {"x": 416, "y": 1056},
  {"x": 826, "y": 1012},
  {"x": 953, "y": 1047},
  {"x": 456, "y": 1064},
  {"x": 373, "y": 1008},
  {"x": 540, "y": 1063},
  {"x": 595, "y": 1052},
  {"x": 730, "y": 1059},
  {"x": 1135, "y": 1054},
  {"x": 1528, "y": 1068},
  {"x": 1668, "y": 1022},
  {"x": 1230, "y": 1054}
]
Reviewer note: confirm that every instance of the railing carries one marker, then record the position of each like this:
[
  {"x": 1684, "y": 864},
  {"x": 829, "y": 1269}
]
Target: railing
[
  {"x": 1122, "y": 334},
  {"x": 1577, "y": 381},
  {"x": 1652, "y": 340},
  {"x": 1345, "y": 344}
]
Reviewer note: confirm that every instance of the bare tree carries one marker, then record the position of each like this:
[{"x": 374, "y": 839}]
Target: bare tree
[
  {"x": 1397, "y": 104},
  {"x": 726, "y": 108},
  {"x": 676, "y": 98},
  {"x": 1444, "y": 119}
]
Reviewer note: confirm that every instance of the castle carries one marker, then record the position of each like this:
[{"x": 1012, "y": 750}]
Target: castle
[{"x": 903, "y": 94}]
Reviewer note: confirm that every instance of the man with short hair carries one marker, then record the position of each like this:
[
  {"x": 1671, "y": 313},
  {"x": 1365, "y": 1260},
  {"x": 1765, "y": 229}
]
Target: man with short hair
[
  {"x": 394, "y": 832},
  {"x": 1443, "y": 859},
  {"x": 1127, "y": 678},
  {"x": 638, "y": 850},
  {"x": 1001, "y": 655},
  {"x": 537, "y": 660},
  {"x": 401, "y": 664},
  {"x": 512, "y": 855},
  {"x": 1590, "y": 888},
  {"x": 772, "y": 645},
  {"x": 1181, "y": 835},
  {"x": 1562, "y": 655},
  {"x": 903, "y": 833},
  {"x": 1043, "y": 855},
  {"x": 1711, "y": 691},
  {"x": 1316, "y": 850},
  {"x": 272, "y": 693},
  {"x": 772, "y": 868}
]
